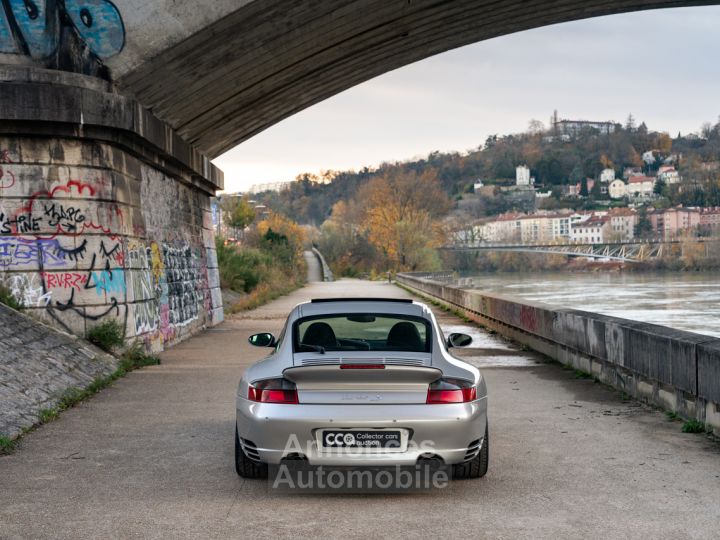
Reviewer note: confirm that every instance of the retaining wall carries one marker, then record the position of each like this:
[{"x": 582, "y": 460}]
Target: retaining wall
[
  {"x": 676, "y": 370},
  {"x": 326, "y": 272},
  {"x": 104, "y": 211},
  {"x": 37, "y": 365},
  {"x": 89, "y": 232}
]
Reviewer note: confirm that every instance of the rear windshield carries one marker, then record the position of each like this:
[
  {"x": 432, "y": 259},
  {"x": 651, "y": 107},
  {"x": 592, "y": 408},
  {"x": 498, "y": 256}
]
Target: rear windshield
[{"x": 362, "y": 332}]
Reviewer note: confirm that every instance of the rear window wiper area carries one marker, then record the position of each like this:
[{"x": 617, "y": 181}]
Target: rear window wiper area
[{"x": 305, "y": 347}]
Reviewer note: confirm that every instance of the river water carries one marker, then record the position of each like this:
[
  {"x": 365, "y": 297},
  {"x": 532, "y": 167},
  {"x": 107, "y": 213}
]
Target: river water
[{"x": 686, "y": 300}]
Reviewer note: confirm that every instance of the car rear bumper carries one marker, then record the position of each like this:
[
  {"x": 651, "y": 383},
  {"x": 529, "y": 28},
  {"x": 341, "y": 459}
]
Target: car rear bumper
[{"x": 270, "y": 432}]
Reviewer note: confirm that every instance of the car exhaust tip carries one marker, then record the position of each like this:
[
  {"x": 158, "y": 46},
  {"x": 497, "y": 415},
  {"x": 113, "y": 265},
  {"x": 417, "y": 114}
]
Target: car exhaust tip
[
  {"x": 295, "y": 456},
  {"x": 430, "y": 459}
]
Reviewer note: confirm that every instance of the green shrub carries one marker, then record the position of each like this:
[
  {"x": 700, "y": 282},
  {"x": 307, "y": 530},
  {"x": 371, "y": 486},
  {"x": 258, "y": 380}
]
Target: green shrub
[
  {"x": 107, "y": 335},
  {"x": 73, "y": 396},
  {"x": 7, "y": 445},
  {"x": 241, "y": 270},
  {"x": 136, "y": 357},
  {"x": 7, "y": 298},
  {"x": 693, "y": 426},
  {"x": 47, "y": 415}
]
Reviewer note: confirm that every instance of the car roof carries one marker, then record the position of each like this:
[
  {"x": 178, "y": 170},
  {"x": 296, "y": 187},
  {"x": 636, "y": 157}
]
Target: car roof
[{"x": 330, "y": 306}]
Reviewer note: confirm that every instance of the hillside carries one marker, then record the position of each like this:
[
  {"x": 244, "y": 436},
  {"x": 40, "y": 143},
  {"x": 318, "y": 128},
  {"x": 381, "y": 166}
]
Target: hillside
[{"x": 554, "y": 161}]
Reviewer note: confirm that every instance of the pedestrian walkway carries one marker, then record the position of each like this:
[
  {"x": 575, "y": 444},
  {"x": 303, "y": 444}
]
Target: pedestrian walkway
[
  {"x": 314, "y": 270},
  {"x": 152, "y": 457}
]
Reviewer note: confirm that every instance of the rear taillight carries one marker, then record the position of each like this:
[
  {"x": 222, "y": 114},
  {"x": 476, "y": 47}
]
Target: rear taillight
[
  {"x": 273, "y": 391},
  {"x": 451, "y": 391}
]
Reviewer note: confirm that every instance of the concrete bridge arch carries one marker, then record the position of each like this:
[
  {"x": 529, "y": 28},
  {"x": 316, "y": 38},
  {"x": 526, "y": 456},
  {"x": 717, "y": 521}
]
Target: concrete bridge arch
[{"x": 220, "y": 71}]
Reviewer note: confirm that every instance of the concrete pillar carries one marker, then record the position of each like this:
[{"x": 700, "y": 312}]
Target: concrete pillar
[{"x": 104, "y": 211}]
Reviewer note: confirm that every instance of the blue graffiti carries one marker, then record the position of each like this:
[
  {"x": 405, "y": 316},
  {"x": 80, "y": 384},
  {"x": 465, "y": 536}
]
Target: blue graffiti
[
  {"x": 34, "y": 27},
  {"x": 7, "y": 43},
  {"x": 25, "y": 252},
  {"x": 109, "y": 281}
]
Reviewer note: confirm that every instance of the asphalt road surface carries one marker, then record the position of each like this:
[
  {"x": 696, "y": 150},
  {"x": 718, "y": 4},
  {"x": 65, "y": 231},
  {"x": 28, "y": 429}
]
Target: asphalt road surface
[{"x": 152, "y": 457}]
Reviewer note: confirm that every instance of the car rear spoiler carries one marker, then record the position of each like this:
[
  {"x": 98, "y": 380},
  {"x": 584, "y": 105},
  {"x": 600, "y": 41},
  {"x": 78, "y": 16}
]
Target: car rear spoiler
[{"x": 361, "y": 373}]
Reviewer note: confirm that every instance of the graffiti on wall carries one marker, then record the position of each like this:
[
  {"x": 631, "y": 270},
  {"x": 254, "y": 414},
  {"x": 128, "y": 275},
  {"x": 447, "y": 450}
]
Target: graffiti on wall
[
  {"x": 183, "y": 274},
  {"x": 167, "y": 284},
  {"x": 70, "y": 249},
  {"x": 44, "y": 216},
  {"x": 17, "y": 252},
  {"x": 27, "y": 290},
  {"x": 144, "y": 287},
  {"x": 37, "y": 28}
]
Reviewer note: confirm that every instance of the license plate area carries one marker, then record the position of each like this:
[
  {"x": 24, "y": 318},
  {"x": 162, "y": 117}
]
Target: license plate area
[{"x": 362, "y": 440}]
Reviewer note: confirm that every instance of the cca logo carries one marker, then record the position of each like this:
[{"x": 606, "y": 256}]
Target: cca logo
[{"x": 336, "y": 439}]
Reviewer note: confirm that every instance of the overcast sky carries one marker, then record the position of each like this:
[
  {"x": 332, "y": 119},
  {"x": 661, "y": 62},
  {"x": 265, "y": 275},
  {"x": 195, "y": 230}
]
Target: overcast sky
[{"x": 660, "y": 65}]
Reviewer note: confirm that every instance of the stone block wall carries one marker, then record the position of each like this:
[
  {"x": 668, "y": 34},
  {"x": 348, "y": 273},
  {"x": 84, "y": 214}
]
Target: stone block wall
[
  {"x": 90, "y": 232},
  {"x": 38, "y": 364}
]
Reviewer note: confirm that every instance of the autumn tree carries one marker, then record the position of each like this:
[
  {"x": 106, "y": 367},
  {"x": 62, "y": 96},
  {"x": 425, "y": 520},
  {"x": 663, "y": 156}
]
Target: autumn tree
[
  {"x": 401, "y": 217},
  {"x": 238, "y": 213},
  {"x": 663, "y": 143}
]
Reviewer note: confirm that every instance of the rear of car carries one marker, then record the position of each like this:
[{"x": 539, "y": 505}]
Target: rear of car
[{"x": 362, "y": 382}]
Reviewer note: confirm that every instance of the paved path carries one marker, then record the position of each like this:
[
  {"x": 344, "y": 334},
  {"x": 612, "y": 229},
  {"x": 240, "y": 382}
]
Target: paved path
[
  {"x": 151, "y": 457},
  {"x": 314, "y": 270}
]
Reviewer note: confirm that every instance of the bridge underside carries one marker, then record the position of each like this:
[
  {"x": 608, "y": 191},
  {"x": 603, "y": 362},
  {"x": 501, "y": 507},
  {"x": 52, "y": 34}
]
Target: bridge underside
[{"x": 273, "y": 58}]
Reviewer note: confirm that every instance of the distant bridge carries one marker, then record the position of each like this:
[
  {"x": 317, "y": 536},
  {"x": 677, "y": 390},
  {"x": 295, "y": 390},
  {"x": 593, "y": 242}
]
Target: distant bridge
[{"x": 616, "y": 251}]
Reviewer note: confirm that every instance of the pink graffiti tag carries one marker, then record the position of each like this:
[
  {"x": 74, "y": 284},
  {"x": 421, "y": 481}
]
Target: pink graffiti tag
[{"x": 65, "y": 280}]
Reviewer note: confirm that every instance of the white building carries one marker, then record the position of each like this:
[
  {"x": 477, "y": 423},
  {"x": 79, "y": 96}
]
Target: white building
[
  {"x": 649, "y": 157},
  {"x": 522, "y": 176},
  {"x": 641, "y": 186},
  {"x": 477, "y": 186},
  {"x": 545, "y": 228},
  {"x": 560, "y": 228},
  {"x": 607, "y": 176},
  {"x": 531, "y": 229},
  {"x": 617, "y": 189},
  {"x": 622, "y": 224},
  {"x": 506, "y": 228},
  {"x": 552, "y": 227},
  {"x": 270, "y": 186},
  {"x": 595, "y": 230},
  {"x": 669, "y": 175},
  {"x": 574, "y": 128}
]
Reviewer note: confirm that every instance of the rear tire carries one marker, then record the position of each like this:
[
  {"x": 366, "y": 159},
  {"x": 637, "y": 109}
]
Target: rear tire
[
  {"x": 246, "y": 467},
  {"x": 476, "y": 467}
]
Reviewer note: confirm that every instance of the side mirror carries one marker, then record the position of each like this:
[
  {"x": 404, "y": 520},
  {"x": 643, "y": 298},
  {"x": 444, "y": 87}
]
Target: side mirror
[
  {"x": 262, "y": 340},
  {"x": 459, "y": 340}
]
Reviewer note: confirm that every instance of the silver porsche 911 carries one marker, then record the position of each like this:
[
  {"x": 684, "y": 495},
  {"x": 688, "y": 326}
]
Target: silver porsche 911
[{"x": 361, "y": 382}]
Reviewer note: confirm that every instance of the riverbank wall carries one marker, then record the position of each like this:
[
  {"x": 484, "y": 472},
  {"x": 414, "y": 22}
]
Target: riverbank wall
[{"x": 673, "y": 369}]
